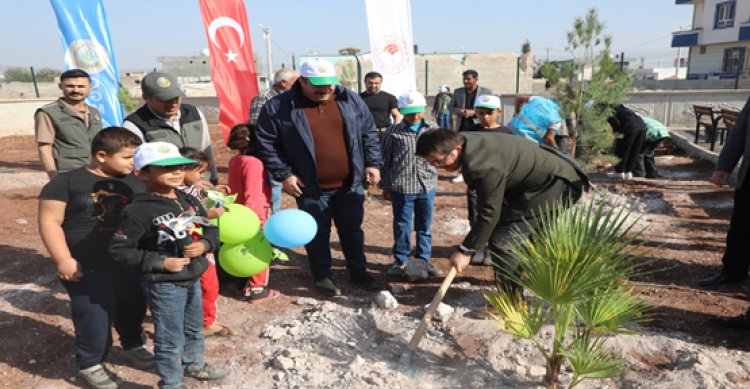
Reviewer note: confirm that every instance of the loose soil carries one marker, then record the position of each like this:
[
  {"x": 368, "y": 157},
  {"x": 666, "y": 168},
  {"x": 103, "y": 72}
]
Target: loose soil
[{"x": 303, "y": 340}]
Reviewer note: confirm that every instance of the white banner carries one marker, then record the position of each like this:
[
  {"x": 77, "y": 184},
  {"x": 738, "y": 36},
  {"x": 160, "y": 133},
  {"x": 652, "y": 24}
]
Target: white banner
[{"x": 392, "y": 44}]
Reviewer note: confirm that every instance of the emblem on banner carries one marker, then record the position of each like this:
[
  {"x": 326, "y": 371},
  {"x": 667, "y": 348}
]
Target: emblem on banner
[
  {"x": 87, "y": 55},
  {"x": 390, "y": 54}
]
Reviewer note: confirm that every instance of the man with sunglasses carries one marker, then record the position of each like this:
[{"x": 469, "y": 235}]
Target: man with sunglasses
[{"x": 513, "y": 179}]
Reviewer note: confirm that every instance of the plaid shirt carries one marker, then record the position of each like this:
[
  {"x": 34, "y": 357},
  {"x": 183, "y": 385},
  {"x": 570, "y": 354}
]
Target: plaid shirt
[
  {"x": 403, "y": 171},
  {"x": 259, "y": 101}
]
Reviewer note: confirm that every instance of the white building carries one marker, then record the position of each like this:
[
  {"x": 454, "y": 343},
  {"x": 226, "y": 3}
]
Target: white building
[{"x": 718, "y": 38}]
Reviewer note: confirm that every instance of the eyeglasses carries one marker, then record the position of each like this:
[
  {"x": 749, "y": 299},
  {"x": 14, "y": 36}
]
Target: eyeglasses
[{"x": 442, "y": 161}]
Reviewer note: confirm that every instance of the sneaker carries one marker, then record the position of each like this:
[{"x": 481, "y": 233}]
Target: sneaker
[
  {"x": 279, "y": 255},
  {"x": 397, "y": 269},
  {"x": 433, "y": 271},
  {"x": 206, "y": 373},
  {"x": 458, "y": 178},
  {"x": 327, "y": 287},
  {"x": 628, "y": 176},
  {"x": 140, "y": 357},
  {"x": 99, "y": 378},
  {"x": 365, "y": 281}
]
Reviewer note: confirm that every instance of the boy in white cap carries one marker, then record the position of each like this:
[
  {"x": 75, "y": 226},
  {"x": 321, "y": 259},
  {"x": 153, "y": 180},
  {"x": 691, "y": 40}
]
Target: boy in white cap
[
  {"x": 488, "y": 110},
  {"x": 152, "y": 236},
  {"x": 319, "y": 140},
  {"x": 409, "y": 183}
]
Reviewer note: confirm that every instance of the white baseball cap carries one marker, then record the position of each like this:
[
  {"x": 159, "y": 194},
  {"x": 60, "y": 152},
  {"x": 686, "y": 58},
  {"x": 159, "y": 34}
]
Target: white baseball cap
[
  {"x": 159, "y": 154},
  {"x": 319, "y": 72},
  {"x": 487, "y": 101},
  {"x": 411, "y": 102}
]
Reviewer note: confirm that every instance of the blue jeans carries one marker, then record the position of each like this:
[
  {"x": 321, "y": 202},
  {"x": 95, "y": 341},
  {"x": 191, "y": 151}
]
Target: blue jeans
[
  {"x": 444, "y": 120},
  {"x": 177, "y": 312},
  {"x": 419, "y": 207},
  {"x": 276, "y": 188},
  {"x": 346, "y": 208}
]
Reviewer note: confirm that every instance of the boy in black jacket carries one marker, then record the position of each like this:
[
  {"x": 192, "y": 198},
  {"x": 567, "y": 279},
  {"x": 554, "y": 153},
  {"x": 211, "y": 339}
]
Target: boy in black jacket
[{"x": 155, "y": 236}]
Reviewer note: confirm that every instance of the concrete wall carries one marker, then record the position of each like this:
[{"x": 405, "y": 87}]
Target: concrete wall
[
  {"x": 497, "y": 71},
  {"x": 673, "y": 108},
  {"x": 17, "y": 116}
]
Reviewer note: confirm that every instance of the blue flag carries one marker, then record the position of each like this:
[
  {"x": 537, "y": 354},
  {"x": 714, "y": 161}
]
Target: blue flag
[{"x": 85, "y": 37}]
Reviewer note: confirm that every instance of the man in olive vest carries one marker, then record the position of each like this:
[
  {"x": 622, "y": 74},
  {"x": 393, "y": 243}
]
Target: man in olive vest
[
  {"x": 165, "y": 118},
  {"x": 64, "y": 129}
]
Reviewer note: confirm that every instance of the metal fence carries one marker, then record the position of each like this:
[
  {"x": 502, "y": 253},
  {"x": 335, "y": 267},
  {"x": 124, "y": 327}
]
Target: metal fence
[{"x": 686, "y": 68}]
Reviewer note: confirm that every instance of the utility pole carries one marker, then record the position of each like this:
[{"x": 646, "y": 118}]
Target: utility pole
[{"x": 267, "y": 38}]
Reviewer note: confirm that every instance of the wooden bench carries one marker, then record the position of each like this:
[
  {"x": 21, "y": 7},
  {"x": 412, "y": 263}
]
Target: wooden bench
[
  {"x": 729, "y": 118},
  {"x": 707, "y": 118}
]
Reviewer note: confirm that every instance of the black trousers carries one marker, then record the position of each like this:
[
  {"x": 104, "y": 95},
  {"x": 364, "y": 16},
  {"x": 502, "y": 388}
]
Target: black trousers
[
  {"x": 103, "y": 298},
  {"x": 646, "y": 162},
  {"x": 627, "y": 148},
  {"x": 736, "y": 258},
  {"x": 524, "y": 220}
]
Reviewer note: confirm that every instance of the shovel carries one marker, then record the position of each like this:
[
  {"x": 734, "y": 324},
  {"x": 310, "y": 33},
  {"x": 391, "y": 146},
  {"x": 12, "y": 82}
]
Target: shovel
[{"x": 411, "y": 348}]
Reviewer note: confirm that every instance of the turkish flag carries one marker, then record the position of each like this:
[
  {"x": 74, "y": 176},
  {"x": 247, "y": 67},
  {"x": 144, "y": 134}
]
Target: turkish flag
[{"x": 232, "y": 63}]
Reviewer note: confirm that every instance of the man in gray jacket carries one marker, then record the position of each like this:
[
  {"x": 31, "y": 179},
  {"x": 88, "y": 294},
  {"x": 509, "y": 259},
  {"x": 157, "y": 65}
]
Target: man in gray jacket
[{"x": 462, "y": 105}]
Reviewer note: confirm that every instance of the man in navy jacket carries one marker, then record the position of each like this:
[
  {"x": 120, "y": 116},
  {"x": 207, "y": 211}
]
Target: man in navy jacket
[{"x": 319, "y": 139}]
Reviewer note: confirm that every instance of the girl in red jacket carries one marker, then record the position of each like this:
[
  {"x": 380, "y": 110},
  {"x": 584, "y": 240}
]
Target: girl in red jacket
[{"x": 249, "y": 180}]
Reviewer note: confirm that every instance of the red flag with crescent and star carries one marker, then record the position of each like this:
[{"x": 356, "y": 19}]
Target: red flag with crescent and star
[{"x": 232, "y": 64}]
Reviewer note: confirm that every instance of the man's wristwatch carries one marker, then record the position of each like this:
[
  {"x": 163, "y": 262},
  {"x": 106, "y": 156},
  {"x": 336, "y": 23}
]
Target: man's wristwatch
[{"x": 465, "y": 250}]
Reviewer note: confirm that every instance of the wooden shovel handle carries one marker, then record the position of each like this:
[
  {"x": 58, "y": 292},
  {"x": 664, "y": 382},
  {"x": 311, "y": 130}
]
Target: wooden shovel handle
[{"x": 414, "y": 342}]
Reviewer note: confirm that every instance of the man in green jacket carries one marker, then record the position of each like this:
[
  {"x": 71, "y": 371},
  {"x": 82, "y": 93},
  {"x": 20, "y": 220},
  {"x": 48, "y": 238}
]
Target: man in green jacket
[
  {"x": 513, "y": 178},
  {"x": 64, "y": 129}
]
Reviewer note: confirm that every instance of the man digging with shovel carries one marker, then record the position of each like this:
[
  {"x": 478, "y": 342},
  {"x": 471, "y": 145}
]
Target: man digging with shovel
[{"x": 514, "y": 179}]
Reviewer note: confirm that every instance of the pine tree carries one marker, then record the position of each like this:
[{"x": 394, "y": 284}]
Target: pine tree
[{"x": 590, "y": 100}]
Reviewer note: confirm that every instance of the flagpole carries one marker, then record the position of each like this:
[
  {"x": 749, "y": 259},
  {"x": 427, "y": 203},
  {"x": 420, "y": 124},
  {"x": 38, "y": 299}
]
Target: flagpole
[{"x": 267, "y": 38}]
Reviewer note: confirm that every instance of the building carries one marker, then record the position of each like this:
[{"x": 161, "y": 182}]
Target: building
[{"x": 718, "y": 39}]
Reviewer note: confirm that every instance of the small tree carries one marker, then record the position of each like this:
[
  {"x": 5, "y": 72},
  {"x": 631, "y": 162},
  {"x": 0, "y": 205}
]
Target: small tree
[
  {"x": 608, "y": 84},
  {"x": 21, "y": 74},
  {"x": 128, "y": 102},
  {"x": 47, "y": 75},
  {"x": 575, "y": 267},
  {"x": 17, "y": 74},
  {"x": 526, "y": 47}
]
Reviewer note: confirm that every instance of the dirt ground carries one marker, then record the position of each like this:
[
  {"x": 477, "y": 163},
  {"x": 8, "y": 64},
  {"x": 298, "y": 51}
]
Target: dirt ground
[{"x": 687, "y": 218}]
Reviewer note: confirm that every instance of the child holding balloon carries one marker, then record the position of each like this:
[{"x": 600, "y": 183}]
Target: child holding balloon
[
  {"x": 249, "y": 180},
  {"x": 195, "y": 185}
]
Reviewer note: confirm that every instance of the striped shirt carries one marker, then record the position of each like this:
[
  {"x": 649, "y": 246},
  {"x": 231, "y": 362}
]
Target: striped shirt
[
  {"x": 404, "y": 172},
  {"x": 259, "y": 101}
]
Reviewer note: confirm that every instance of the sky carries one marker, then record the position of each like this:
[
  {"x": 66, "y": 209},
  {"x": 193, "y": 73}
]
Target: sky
[{"x": 141, "y": 30}]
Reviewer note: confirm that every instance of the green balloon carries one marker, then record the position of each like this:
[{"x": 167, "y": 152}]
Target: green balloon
[
  {"x": 238, "y": 224},
  {"x": 246, "y": 259}
]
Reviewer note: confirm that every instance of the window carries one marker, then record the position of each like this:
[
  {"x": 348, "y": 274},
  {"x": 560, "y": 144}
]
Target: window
[
  {"x": 734, "y": 59},
  {"x": 724, "y": 17}
]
